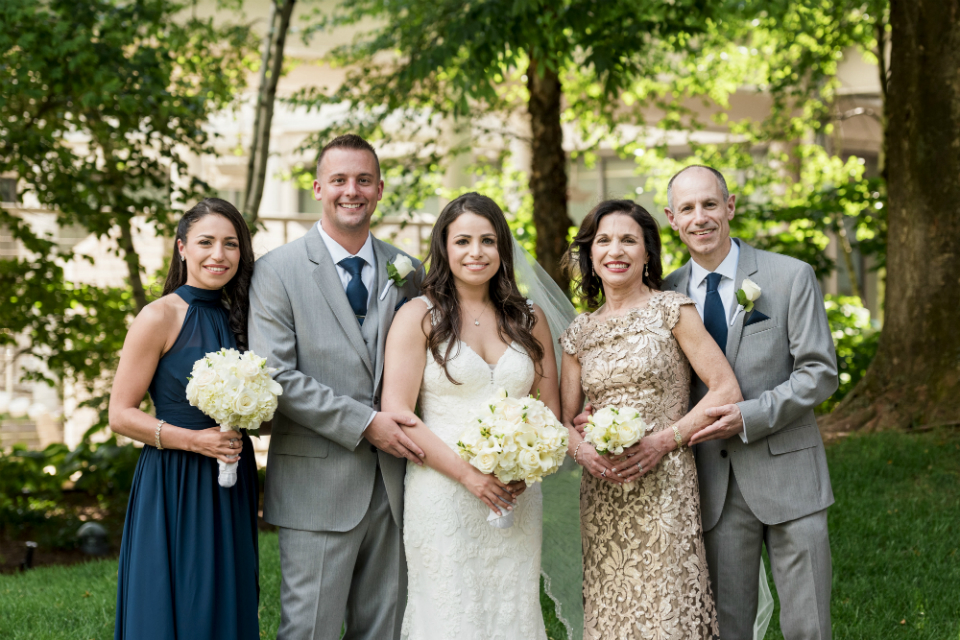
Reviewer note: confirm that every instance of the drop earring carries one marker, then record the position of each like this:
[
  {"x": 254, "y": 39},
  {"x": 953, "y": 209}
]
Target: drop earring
[
  {"x": 646, "y": 270},
  {"x": 183, "y": 258}
]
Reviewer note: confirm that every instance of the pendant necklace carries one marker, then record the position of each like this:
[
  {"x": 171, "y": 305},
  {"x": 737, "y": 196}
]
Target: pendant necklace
[{"x": 476, "y": 321}]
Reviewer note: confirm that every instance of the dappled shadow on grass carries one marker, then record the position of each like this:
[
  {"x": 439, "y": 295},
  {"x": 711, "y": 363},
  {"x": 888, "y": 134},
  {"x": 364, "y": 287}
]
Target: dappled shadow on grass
[{"x": 894, "y": 537}]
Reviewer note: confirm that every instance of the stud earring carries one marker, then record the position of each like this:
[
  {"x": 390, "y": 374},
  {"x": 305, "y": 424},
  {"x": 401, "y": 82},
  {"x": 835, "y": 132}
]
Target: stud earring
[{"x": 183, "y": 258}]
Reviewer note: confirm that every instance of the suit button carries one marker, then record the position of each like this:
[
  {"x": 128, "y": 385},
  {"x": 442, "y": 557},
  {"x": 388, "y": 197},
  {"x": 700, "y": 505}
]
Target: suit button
[
  {"x": 723, "y": 453},
  {"x": 374, "y": 449},
  {"x": 376, "y": 399}
]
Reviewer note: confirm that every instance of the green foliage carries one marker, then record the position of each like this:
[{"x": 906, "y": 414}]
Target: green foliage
[
  {"x": 100, "y": 101},
  {"x": 855, "y": 338},
  {"x": 33, "y": 496}
]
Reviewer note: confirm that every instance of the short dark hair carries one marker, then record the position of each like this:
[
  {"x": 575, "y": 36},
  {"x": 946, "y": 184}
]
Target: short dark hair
[
  {"x": 724, "y": 191},
  {"x": 578, "y": 258},
  {"x": 348, "y": 141}
]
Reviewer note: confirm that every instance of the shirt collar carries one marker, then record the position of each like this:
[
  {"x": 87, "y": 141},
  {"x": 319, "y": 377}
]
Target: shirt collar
[
  {"x": 727, "y": 268},
  {"x": 338, "y": 253}
]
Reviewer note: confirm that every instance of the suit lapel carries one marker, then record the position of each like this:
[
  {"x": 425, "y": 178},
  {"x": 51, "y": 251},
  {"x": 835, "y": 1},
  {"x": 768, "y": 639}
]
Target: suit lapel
[
  {"x": 326, "y": 276},
  {"x": 746, "y": 267},
  {"x": 385, "y": 306},
  {"x": 682, "y": 281}
]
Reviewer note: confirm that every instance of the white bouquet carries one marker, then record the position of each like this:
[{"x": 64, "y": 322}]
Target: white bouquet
[
  {"x": 514, "y": 439},
  {"x": 235, "y": 390},
  {"x": 613, "y": 429}
]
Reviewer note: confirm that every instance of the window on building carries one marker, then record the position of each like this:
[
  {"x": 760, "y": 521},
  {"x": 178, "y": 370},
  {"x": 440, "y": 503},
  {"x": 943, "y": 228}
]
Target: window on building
[{"x": 8, "y": 190}]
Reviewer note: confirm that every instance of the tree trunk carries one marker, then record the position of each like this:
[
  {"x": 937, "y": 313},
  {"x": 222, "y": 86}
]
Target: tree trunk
[
  {"x": 260, "y": 146},
  {"x": 132, "y": 259},
  {"x": 915, "y": 378},
  {"x": 548, "y": 170}
]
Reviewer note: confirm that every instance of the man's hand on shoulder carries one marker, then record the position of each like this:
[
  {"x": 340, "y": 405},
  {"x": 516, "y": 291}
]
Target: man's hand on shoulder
[
  {"x": 385, "y": 433},
  {"x": 728, "y": 424}
]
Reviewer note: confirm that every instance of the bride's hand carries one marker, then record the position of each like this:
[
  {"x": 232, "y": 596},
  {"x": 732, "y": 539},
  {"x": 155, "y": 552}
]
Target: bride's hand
[
  {"x": 597, "y": 465},
  {"x": 516, "y": 488},
  {"x": 496, "y": 495},
  {"x": 642, "y": 457}
]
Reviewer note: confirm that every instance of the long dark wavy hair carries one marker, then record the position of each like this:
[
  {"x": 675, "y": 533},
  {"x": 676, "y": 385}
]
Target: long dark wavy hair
[
  {"x": 236, "y": 293},
  {"x": 580, "y": 264},
  {"x": 515, "y": 318}
]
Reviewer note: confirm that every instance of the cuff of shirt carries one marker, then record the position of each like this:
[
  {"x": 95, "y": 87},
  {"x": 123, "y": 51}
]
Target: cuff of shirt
[{"x": 373, "y": 414}]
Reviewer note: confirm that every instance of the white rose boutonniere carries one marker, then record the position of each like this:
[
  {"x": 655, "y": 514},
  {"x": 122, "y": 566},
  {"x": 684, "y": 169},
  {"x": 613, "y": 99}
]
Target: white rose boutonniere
[
  {"x": 748, "y": 293},
  {"x": 399, "y": 269}
]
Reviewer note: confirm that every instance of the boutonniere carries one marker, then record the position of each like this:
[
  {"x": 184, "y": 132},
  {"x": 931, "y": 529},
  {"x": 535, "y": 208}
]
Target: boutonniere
[
  {"x": 748, "y": 293},
  {"x": 397, "y": 271}
]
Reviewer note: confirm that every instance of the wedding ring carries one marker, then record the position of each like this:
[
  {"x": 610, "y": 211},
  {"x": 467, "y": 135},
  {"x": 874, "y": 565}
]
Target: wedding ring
[
  {"x": 640, "y": 468},
  {"x": 603, "y": 474},
  {"x": 233, "y": 443}
]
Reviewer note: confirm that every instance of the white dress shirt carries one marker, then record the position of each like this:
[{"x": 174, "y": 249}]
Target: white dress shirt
[
  {"x": 368, "y": 274},
  {"x": 697, "y": 286}
]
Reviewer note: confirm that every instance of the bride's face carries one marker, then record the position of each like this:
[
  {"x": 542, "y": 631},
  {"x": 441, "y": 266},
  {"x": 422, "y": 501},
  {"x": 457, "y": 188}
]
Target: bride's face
[
  {"x": 618, "y": 252},
  {"x": 472, "y": 249}
]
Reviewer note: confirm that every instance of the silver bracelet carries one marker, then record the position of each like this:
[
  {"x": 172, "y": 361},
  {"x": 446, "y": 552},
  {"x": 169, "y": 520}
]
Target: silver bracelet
[
  {"x": 576, "y": 451},
  {"x": 156, "y": 436}
]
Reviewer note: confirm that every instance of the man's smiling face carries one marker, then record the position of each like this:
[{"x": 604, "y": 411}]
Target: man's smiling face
[
  {"x": 348, "y": 186},
  {"x": 701, "y": 215}
]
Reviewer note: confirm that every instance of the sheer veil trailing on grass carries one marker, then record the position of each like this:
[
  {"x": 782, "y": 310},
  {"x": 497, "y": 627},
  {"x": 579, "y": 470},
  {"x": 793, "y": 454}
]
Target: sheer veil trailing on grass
[{"x": 561, "y": 554}]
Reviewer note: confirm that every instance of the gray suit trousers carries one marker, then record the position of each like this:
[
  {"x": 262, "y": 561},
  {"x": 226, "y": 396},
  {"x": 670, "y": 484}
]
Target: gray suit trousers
[
  {"x": 357, "y": 577},
  {"x": 799, "y": 552}
]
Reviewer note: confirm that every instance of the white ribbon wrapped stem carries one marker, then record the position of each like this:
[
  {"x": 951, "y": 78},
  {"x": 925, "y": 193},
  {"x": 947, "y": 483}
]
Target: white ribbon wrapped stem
[{"x": 228, "y": 470}]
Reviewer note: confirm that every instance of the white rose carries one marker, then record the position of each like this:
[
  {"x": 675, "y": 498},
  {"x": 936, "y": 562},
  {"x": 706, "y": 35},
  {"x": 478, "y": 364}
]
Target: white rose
[
  {"x": 204, "y": 377},
  {"x": 627, "y": 413},
  {"x": 245, "y": 402},
  {"x": 512, "y": 409},
  {"x": 603, "y": 418},
  {"x": 750, "y": 289},
  {"x": 628, "y": 432},
  {"x": 550, "y": 438},
  {"x": 529, "y": 460},
  {"x": 485, "y": 462},
  {"x": 403, "y": 265},
  {"x": 247, "y": 370}
]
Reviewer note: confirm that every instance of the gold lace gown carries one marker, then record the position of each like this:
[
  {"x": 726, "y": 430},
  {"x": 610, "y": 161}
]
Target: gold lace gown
[{"x": 644, "y": 566}]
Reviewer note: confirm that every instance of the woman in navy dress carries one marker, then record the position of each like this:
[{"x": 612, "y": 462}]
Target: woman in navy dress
[{"x": 189, "y": 559}]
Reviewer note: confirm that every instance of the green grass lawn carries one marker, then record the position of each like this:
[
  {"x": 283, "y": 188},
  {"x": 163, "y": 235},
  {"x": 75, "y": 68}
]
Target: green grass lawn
[{"x": 894, "y": 535}]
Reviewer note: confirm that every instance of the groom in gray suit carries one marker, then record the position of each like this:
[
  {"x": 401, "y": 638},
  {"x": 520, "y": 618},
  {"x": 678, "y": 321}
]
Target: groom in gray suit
[
  {"x": 761, "y": 466},
  {"x": 320, "y": 308}
]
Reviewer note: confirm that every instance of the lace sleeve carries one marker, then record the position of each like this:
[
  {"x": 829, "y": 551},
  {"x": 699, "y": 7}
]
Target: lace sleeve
[
  {"x": 570, "y": 339},
  {"x": 671, "y": 303}
]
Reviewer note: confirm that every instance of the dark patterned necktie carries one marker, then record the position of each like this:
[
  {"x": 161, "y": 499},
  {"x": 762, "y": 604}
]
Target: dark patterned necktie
[
  {"x": 356, "y": 292},
  {"x": 714, "y": 317}
]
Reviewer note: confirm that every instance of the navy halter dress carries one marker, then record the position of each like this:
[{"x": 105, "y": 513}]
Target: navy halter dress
[{"x": 189, "y": 565}]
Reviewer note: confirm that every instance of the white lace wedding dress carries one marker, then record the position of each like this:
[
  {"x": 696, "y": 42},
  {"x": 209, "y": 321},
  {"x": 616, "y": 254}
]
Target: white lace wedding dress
[{"x": 468, "y": 580}]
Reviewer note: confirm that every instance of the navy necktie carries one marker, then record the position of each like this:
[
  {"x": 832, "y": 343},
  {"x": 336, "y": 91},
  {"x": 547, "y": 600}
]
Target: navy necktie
[
  {"x": 714, "y": 317},
  {"x": 356, "y": 292}
]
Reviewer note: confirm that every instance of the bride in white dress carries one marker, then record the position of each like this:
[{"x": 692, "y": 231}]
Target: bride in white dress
[{"x": 470, "y": 334}]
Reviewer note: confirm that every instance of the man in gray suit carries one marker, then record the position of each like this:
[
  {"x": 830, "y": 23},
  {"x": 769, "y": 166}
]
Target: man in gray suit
[
  {"x": 320, "y": 308},
  {"x": 762, "y": 468}
]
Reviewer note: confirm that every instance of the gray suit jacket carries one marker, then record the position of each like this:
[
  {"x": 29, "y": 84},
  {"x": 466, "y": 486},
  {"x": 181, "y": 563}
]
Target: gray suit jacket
[
  {"x": 320, "y": 473},
  {"x": 786, "y": 365}
]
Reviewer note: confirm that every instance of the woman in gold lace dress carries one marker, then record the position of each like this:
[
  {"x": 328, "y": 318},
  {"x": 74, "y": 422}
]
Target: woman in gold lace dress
[{"x": 644, "y": 566}]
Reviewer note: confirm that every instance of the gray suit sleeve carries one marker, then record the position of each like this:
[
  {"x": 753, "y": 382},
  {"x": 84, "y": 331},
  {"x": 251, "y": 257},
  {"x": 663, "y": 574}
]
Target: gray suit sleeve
[
  {"x": 273, "y": 335},
  {"x": 814, "y": 377}
]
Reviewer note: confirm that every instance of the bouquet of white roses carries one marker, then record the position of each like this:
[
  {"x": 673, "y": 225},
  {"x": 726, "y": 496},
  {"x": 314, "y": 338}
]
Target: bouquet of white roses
[
  {"x": 514, "y": 439},
  {"x": 613, "y": 429},
  {"x": 235, "y": 390}
]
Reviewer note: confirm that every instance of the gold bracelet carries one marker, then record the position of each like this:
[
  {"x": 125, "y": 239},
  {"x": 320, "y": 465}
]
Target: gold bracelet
[
  {"x": 576, "y": 451},
  {"x": 677, "y": 437},
  {"x": 156, "y": 436}
]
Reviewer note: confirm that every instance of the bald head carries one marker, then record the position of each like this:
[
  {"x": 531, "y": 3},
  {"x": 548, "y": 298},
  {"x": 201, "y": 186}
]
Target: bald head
[{"x": 721, "y": 183}]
